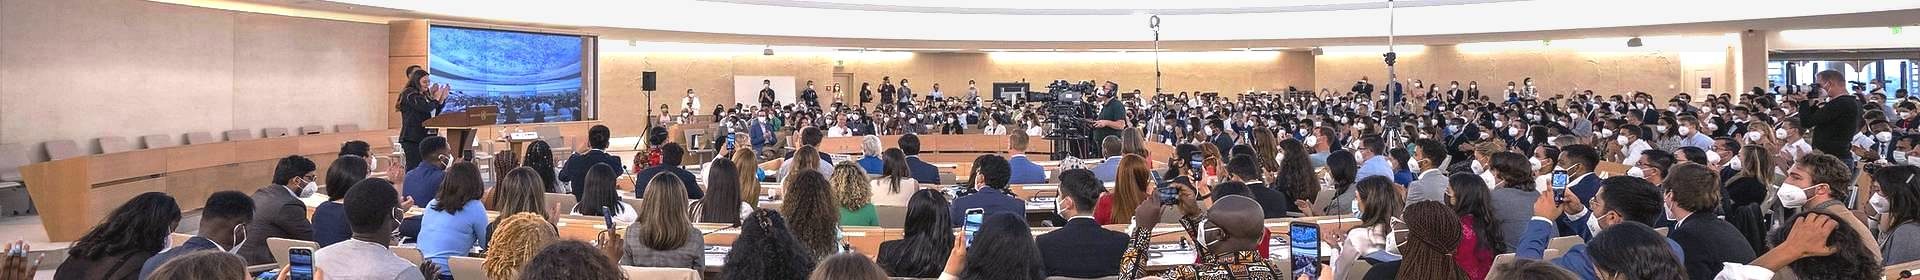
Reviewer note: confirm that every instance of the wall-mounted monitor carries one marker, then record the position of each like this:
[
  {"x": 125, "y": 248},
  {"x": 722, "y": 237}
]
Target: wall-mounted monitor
[{"x": 532, "y": 77}]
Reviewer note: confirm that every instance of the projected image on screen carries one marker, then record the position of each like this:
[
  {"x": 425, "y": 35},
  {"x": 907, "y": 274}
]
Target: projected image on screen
[{"x": 533, "y": 77}]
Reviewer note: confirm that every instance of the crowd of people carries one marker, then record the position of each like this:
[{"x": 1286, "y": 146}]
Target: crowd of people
[{"x": 1750, "y": 186}]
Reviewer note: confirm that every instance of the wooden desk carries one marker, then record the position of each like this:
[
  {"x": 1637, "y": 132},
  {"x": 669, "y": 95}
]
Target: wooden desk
[{"x": 75, "y": 194}]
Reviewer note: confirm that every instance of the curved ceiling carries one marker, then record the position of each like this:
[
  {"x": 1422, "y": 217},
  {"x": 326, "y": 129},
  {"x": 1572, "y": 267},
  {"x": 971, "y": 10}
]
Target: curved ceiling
[{"x": 1087, "y": 24}]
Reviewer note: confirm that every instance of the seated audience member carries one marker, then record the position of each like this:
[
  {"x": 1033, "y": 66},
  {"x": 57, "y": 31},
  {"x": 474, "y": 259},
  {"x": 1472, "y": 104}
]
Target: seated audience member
[
  {"x": 724, "y": 205},
  {"x": 330, "y": 219},
  {"x": 809, "y": 202},
  {"x": 515, "y": 239},
  {"x": 1814, "y": 246},
  {"x": 895, "y": 184},
  {"x": 1691, "y": 155},
  {"x": 1481, "y": 239},
  {"x": 1746, "y": 193},
  {"x": 220, "y": 222},
  {"x": 1513, "y": 195},
  {"x": 767, "y": 250},
  {"x": 806, "y": 161},
  {"x": 201, "y": 265},
  {"x": 1233, "y": 250},
  {"x": 1525, "y": 269},
  {"x": 921, "y": 170},
  {"x": 1081, "y": 248},
  {"x": 1652, "y": 166},
  {"x": 1621, "y": 199},
  {"x": 670, "y": 155},
  {"x": 1432, "y": 234},
  {"x": 650, "y": 156},
  {"x": 571, "y": 260},
  {"x": 519, "y": 192},
  {"x": 1023, "y": 170},
  {"x": 131, "y": 234},
  {"x": 1128, "y": 188},
  {"x": 663, "y": 237},
  {"x": 1899, "y": 199},
  {"x": 455, "y": 220},
  {"x": 1297, "y": 179},
  {"x": 424, "y": 180},
  {"x": 1579, "y": 161},
  {"x": 870, "y": 155},
  {"x": 277, "y": 210},
  {"x": 1431, "y": 184},
  {"x": 1402, "y": 173},
  {"x": 373, "y": 213},
  {"x": 540, "y": 158},
  {"x": 853, "y": 196},
  {"x": 1341, "y": 170},
  {"x": 990, "y": 191},
  {"x": 1631, "y": 250},
  {"x": 928, "y": 235},
  {"x": 1244, "y": 169},
  {"x": 1108, "y": 168},
  {"x": 597, "y": 193},
  {"x": 811, "y": 136},
  {"x": 1695, "y": 189},
  {"x": 503, "y": 162},
  {"x": 1374, "y": 150},
  {"x": 749, "y": 177},
  {"x": 1380, "y": 206},
  {"x": 576, "y": 170},
  {"x": 1820, "y": 183},
  {"x": 849, "y": 266},
  {"x": 1003, "y": 248}
]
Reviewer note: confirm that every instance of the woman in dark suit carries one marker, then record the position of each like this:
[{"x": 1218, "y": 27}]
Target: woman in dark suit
[{"x": 420, "y": 100}]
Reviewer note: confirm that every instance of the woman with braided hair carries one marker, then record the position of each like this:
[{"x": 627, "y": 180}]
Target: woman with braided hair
[
  {"x": 1433, "y": 234},
  {"x": 515, "y": 240}
]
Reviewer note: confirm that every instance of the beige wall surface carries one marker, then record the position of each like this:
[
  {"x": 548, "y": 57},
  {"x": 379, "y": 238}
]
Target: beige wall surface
[
  {"x": 1554, "y": 71},
  {"x": 83, "y": 69}
]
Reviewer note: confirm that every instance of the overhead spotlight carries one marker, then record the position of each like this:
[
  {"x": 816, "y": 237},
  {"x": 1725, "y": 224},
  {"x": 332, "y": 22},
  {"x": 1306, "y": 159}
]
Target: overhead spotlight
[
  {"x": 1319, "y": 51},
  {"x": 767, "y": 51},
  {"x": 1634, "y": 42}
]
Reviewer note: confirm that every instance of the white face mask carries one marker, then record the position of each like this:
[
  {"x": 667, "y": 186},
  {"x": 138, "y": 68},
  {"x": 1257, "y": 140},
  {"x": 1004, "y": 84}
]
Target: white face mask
[
  {"x": 1513, "y": 131},
  {"x": 1880, "y": 204},
  {"x": 1622, "y": 140},
  {"x": 1780, "y": 133},
  {"x": 1637, "y": 172},
  {"x": 1660, "y": 127},
  {"x": 1734, "y": 163},
  {"x": 1753, "y": 136},
  {"x": 1883, "y": 136},
  {"x": 1713, "y": 157},
  {"x": 1593, "y": 223},
  {"x": 1686, "y": 130},
  {"x": 1791, "y": 196},
  {"x": 1535, "y": 162},
  {"x": 1478, "y": 168},
  {"x": 1499, "y": 125},
  {"x": 307, "y": 190},
  {"x": 1312, "y": 141}
]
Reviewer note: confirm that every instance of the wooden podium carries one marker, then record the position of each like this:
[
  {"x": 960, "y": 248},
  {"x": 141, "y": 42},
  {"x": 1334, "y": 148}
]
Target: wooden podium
[{"x": 460, "y": 127}]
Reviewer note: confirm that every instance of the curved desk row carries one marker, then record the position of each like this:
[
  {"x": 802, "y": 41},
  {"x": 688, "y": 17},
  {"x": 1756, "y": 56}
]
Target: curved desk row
[{"x": 75, "y": 194}]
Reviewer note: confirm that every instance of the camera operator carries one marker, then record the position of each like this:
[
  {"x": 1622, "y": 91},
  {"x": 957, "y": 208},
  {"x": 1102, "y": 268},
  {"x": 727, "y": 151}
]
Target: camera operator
[
  {"x": 1363, "y": 87},
  {"x": 1112, "y": 118}
]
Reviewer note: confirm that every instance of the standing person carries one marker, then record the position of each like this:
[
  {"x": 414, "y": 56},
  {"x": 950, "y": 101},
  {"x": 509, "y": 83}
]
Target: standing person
[
  {"x": 1834, "y": 121},
  {"x": 420, "y": 100},
  {"x": 1112, "y": 119},
  {"x": 905, "y": 98},
  {"x": 886, "y": 91},
  {"x": 131, "y": 234},
  {"x": 810, "y": 97},
  {"x": 767, "y": 99},
  {"x": 866, "y": 94},
  {"x": 278, "y": 211}
]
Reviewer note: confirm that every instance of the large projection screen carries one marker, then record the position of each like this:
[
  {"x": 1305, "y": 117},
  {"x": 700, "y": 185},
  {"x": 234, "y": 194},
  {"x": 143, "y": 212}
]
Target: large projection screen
[{"x": 533, "y": 77}]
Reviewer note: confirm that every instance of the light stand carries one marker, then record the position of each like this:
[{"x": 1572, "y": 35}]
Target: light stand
[{"x": 1395, "y": 95}]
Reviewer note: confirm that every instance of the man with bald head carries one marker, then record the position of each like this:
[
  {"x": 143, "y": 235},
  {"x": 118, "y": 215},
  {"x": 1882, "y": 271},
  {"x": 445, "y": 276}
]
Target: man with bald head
[{"x": 1233, "y": 253}]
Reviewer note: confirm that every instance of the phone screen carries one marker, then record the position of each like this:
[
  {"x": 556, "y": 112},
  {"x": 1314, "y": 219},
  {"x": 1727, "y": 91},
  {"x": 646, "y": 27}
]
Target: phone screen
[
  {"x": 729, "y": 141},
  {"x": 607, "y": 214},
  {"x": 972, "y": 223},
  {"x": 300, "y": 263},
  {"x": 1306, "y": 249},
  {"x": 1559, "y": 184}
]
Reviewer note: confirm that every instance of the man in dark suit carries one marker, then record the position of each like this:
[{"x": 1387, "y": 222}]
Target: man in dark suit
[
  {"x": 1080, "y": 248},
  {"x": 670, "y": 155},
  {"x": 220, "y": 223},
  {"x": 923, "y": 172},
  {"x": 1024, "y": 170},
  {"x": 990, "y": 191},
  {"x": 811, "y": 136},
  {"x": 1693, "y": 191},
  {"x": 1274, "y": 203},
  {"x": 767, "y": 99},
  {"x": 759, "y": 132},
  {"x": 279, "y": 210},
  {"x": 1460, "y": 133},
  {"x": 577, "y": 165}
]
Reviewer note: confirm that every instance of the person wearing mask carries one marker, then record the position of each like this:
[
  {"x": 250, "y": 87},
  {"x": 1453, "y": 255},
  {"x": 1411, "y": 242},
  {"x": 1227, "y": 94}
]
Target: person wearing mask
[
  {"x": 1724, "y": 156},
  {"x": 1579, "y": 161},
  {"x": 921, "y": 170},
  {"x": 1691, "y": 134},
  {"x": 990, "y": 191},
  {"x": 1379, "y": 206},
  {"x": 1024, "y": 171},
  {"x": 1746, "y": 193},
  {"x": 1297, "y": 181},
  {"x": 760, "y": 131},
  {"x": 1374, "y": 150},
  {"x": 1622, "y": 200},
  {"x": 1834, "y": 119},
  {"x": 1693, "y": 192},
  {"x": 1898, "y": 197},
  {"x": 514, "y": 240},
  {"x": 330, "y": 218},
  {"x": 663, "y": 237},
  {"x": 1432, "y": 183},
  {"x": 115, "y": 249},
  {"x": 810, "y": 97},
  {"x": 1632, "y": 143},
  {"x": 1112, "y": 148},
  {"x": 222, "y": 222},
  {"x": 767, "y": 99},
  {"x": 1080, "y": 248},
  {"x": 904, "y": 98},
  {"x": 1235, "y": 254},
  {"x": 1402, "y": 173},
  {"x": 576, "y": 169},
  {"x": 1874, "y": 141},
  {"x": 870, "y": 150},
  {"x": 277, "y": 209},
  {"x": 766, "y": 249},
  {"x": 1819, "y": 183},
  {"x": 455, "y": 220},
  {"x": 670, "y": 156},
  {"x": 1814, "y": 246},
  {"x": 853, "y": 196},
  {"x": 1432, "y": 238},
  {"x": 1652, "y": 166},
  {"x": 572, "y": 260},
  {"x": 816, "y": 223},
  {"x": 423, "y": 182},
  {"x": 1340, "y": 169},
  {"x": 1513, "y": 191},
  {"x": 1479, "y": 239},
  {"x": 420, "y": 100},
  {"x": 372, "y": 211},
  {"x": 1320, "y": 143},
  {"x": 928, "y": 236}
]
